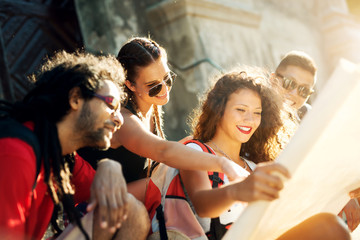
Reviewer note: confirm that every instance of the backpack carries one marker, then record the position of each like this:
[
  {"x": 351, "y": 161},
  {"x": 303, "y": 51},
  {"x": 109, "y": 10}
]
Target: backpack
[
  {"x": 217, "y": 229},
  {"x": 169, "y": 211},
  {"x": 10, "y": 127}
]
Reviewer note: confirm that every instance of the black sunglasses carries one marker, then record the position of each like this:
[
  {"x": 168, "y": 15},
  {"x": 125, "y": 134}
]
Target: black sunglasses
[
  {"x": 169, "y": 80},
  {"x": 290, "y": 84},
  {"x": 110, "y": 101}
]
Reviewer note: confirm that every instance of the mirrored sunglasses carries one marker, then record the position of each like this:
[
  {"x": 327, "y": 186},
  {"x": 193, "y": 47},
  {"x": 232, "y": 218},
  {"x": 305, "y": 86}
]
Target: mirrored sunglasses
[
  {"x": 110, "y": 101},
  {"x": 290, "y": 84},
  {"x": 168, "y": 80}
]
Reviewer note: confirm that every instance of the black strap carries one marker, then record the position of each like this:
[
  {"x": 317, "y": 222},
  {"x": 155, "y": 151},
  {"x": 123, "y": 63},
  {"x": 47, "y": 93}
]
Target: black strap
[
  {"x": 160, "y": 217},
  {"x": 154, "y": 164},
  {"x": 11, "y": 128},
  {"x": 217, "y": 230},
  {"x": 215, "y": 178}
]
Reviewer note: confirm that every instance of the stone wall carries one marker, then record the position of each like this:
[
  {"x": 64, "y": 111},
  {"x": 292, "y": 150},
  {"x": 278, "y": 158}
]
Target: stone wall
[{"x": 204, "y": 36}]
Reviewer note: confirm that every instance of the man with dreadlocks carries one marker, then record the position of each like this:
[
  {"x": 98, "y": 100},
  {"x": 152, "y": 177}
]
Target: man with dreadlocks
[{"x": 75, "y": 103}]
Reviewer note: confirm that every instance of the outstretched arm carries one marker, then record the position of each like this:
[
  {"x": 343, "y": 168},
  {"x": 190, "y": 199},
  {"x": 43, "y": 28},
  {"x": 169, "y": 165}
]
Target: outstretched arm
[
  {"x": 259, "y": 185},
  {"x": 137, "y": 139}
]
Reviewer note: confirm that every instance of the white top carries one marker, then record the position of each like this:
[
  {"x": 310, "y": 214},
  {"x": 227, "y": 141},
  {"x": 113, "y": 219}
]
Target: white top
[{"x": 236, "y": 209}]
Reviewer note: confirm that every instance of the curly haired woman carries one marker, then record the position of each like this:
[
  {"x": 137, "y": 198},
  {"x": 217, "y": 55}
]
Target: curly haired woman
[{"x": 242, "y": 118}]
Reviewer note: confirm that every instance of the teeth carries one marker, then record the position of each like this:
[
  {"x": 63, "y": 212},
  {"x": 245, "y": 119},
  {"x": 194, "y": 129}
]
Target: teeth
[{"x": 245, "y": 128}]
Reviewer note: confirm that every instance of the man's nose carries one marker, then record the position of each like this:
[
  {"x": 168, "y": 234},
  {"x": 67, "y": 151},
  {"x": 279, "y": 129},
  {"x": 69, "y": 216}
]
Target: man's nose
[
  {"x": 293, "y": 92},
  {"x": 118, "y": 118}
]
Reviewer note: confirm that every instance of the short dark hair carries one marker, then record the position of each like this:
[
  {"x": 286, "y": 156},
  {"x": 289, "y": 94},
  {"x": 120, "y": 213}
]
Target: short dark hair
[{"x": 299, "y": 59}]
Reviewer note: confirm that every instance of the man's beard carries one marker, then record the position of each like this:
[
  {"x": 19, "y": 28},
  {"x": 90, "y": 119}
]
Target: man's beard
[{"x": 85, "y": 126}]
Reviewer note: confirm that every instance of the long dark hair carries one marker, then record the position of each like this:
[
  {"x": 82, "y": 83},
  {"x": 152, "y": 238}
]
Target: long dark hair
[
  {"x": 47, "y": 104},
  {"x": 267, "y": 141},
  {"x": 137, "y": 53}
]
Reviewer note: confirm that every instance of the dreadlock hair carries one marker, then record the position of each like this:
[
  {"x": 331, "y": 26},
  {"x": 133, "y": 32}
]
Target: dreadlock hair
[
  {"x": 47, "y": 104},
  {"x": 271, "y": 135},
  {"x": 137, "y": 53}
]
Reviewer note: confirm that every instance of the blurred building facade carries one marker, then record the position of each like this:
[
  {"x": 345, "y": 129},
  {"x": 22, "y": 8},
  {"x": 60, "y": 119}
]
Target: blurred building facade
[{"x": 203, "y": 37}]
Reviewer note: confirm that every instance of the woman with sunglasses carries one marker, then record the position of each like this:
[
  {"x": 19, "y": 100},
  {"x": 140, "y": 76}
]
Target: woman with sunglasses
[
  {"x": 250, "y": 125},
  {"x": 141, "y": 138}
]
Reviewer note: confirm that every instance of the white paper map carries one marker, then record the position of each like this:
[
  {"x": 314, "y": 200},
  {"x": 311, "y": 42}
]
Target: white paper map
[{"x": 323, "y": 158}]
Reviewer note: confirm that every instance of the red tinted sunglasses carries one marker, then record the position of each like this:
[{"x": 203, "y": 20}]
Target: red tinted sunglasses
[{"x": 110, "y": 101}]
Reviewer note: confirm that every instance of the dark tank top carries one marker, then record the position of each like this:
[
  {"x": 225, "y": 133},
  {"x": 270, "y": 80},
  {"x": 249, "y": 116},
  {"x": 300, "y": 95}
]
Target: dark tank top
[{"x": 132, "y": 164}]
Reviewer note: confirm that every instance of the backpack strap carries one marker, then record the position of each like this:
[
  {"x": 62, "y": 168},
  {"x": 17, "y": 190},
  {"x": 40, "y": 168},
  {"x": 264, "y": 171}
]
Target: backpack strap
[
  {"x": 161, "y": 218},
  {"x": 217, "y": 230},
  {"x": 11, "y": 128},
  {"x": 203, "y": 146}
]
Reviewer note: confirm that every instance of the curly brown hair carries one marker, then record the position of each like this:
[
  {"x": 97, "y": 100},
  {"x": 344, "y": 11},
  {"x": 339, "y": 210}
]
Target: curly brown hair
[{"x": 276, "y": 126}]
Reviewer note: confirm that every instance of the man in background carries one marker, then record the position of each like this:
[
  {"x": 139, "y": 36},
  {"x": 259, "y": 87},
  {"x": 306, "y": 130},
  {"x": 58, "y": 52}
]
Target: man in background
[
  {"x": 296, "y": 74},
  {"x": 296, "y": 77}
]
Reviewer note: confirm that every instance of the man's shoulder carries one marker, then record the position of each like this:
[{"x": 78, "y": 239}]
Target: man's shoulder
[
  {"x": 18, "y": 162},
  {"x": 18, "y": 144},
  {"x": 15, "y": 147}
]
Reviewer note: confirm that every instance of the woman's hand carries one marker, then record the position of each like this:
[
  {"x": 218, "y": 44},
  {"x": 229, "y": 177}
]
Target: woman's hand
[
  {"x": 262, "y": 184},
  {"x": 232, "y": 170}
]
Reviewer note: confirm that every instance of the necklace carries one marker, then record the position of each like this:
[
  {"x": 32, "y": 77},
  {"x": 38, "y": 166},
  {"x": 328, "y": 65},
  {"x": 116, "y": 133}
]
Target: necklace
[{"x": 223, "y": 153}]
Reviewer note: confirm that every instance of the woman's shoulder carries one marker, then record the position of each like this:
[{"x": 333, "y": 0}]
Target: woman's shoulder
[
  {"x": 126, "y": 112},
  {"x": 129, "y": 117},
  {"x": 197, "y": 144},
  {"x": 194, "y": 146}
]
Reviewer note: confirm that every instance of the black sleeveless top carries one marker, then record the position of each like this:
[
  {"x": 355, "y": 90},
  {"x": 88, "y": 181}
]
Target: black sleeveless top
[{"x": 132, "y": 164}]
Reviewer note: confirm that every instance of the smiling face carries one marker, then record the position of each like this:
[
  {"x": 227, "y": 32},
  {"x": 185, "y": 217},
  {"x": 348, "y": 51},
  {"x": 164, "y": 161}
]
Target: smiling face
[
  {"x": 148, "y": 77},
  {"x": 99, "y": 119},
  {"x": 242, "y": 116},
  {"x": 302, "y": 78}
]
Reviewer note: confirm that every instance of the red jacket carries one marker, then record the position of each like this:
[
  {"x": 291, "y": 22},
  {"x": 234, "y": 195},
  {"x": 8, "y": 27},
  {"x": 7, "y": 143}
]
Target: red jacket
[{"x": 25, "y": 214}]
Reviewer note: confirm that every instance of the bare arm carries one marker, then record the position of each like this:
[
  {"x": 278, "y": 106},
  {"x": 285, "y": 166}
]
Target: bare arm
[
  {"x": 137, "y": 139},
  {"x": 208, "y": 202}
]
